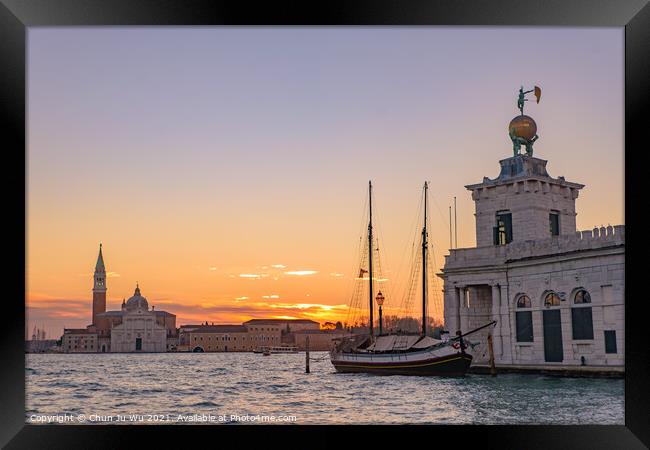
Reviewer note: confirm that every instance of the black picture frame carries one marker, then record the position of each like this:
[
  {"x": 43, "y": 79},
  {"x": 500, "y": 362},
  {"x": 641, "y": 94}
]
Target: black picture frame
[{"x": 17, "y": 15}]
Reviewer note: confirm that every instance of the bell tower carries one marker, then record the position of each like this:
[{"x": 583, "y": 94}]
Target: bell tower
[{"x": 99, "y": 287}]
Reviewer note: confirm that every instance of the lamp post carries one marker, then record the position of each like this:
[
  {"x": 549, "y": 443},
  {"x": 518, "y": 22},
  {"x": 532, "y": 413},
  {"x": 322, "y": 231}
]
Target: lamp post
[{"x": 380, "y": 301}]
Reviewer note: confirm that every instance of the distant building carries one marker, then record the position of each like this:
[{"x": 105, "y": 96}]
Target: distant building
[
  {"x": 255, "y": 334},
  {"x": 287, "y": 325},
  {"x": 319, "y": 340},
  {"x": 79, "y": 340},
  {"x": 226, "y": 338},
  {"x": 135, "y": 328},
  {"x": 557, "y": 294}
]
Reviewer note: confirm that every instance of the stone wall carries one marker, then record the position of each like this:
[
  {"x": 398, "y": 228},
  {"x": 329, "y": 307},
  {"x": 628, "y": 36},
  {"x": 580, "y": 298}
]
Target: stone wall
[
  {"x": 587, "y": 261},
  {"x": 498, "y": 254}
]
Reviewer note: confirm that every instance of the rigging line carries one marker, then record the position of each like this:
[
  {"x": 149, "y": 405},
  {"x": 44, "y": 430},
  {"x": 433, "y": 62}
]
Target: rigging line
[
  {"x": 386, "y": 285},
  {"x": 437, "y": 302},
  {"x": 398, "y": 276},
  {"x": 440, "y": 213},
  {"x": 415, "y": 263},
  {"x": 358, "y": 256},
  {"x": 408, "y": 281}
]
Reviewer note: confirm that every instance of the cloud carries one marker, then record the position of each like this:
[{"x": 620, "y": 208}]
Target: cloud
[
  {"x": 271, "y": 296},
  {"x": 278, "y": 266},
  {"x": 334, "y": 274},
  {"x": 249, "y": 275},
  {"x": 212, "y": 269},
  {"x": 301, "y": 272},
  {"x": 241, "y": 298},
  {"x": 308, "y": 306}
]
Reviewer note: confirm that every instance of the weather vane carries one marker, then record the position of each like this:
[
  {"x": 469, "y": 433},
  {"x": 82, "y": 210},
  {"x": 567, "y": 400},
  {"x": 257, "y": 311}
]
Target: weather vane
[{"x": 523, "y": 129}]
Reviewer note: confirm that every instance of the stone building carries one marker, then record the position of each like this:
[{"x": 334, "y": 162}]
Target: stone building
[
  {"x": 255, "y": 334},
  {"x": 557, "y": 294},
  {"x": 228, "y": 338},
  {"x": 79, "y": 340},
  {"x": 287, "y": 325},
  {"x": 134, "y": 328},
  {"x": 319, "y": 340}
]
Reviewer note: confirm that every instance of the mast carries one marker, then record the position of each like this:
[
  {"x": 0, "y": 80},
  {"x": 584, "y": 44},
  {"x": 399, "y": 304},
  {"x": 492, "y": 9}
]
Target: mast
[
  {"x": 424, "y": 265},
  {"x": 370, "y": 324}
]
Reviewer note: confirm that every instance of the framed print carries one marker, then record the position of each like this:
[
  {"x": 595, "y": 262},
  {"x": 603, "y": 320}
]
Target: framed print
[{"x": 368, "y": 217}]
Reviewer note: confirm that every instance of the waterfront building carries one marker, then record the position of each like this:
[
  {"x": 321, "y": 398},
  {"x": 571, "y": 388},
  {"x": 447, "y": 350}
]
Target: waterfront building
[
  {"x": 219, "y": 338},
  {"x": 255, "y": 334},
  {"x": 134, "y": 328},
  {"x": 319, "y": 340},
  {"x": 288, "y": 325},
  {"x": 79, "y": 340},
  {"x": 557, "y": 294},
  {"x": 229, "y": 338}
]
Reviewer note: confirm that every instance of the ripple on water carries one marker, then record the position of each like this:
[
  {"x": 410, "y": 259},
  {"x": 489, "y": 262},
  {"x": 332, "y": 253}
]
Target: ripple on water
[
  {"x": 245, "y": 383},
  {"x": 205, "y": 403}
]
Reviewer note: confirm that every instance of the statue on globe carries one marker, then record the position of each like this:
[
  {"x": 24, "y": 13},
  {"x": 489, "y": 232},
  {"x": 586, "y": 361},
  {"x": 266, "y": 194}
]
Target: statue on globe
[{"x": 523, "y": 129}]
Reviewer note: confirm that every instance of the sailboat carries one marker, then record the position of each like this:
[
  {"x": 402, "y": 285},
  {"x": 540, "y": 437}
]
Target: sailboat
[{"x": 398, "y": 354}]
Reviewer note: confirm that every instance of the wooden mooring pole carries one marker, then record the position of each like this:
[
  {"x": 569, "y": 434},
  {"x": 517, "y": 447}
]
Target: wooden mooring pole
[
  {"x": 307, "y": 354},
  {"x": 493, "y": 369}
]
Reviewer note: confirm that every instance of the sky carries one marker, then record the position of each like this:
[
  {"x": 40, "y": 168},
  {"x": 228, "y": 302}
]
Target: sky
[{"x": 225, "y": 169}]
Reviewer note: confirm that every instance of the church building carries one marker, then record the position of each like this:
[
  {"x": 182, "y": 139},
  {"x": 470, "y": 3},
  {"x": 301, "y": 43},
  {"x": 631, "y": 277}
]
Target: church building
[
  {"x": 556, "y": 294},
  {"x": 134, "y": 328}
]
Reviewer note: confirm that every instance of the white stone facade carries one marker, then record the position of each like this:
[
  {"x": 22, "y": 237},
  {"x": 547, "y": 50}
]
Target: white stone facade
[
  {"x": 484, "y": 283},
  {"x": 139, "y": 329}
]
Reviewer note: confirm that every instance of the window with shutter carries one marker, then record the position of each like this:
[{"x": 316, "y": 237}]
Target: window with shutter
[
  {"x": 524, "y": 321},
  {"x": 610, "y": 341}
]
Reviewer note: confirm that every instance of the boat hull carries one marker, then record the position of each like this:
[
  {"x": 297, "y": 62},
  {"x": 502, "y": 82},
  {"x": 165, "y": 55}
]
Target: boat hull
[{"x": 453, "y": 365}]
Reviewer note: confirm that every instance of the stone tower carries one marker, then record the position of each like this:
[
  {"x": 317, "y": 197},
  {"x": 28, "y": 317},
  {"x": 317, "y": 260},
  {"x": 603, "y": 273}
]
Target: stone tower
[
  {"x": 99, "y": 287},
  {"x": 523, "y": 203}
]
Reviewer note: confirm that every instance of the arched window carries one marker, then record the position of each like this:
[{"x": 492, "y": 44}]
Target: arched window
[
  {"x": 523, "y": 301},
  {"x": 552, "y": 299},
  {"x": 582, "y": 296},
  {"x": 524, "y": 319},
  {"x": 581, "y": 318}
]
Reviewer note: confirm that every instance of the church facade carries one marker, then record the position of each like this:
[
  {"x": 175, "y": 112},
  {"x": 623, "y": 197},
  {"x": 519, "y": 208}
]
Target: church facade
[
  {"x": 556, "y": 294},
  {"x": 134, "y": 328}
]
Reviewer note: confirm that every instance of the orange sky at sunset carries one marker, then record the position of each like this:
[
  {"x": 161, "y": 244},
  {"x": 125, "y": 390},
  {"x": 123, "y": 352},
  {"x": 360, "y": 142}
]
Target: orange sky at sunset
[{"x": 226, "y": 170}]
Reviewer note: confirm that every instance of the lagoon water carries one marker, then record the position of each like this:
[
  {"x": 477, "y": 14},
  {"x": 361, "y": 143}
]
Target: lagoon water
[{"x": 251, "y": 388}]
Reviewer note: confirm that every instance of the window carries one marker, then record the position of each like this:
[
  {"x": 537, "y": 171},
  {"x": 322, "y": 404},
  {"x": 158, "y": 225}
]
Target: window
[
  {"x": 552, "y": 299},
  {"x": 582, "y": 296},
  {"x": 523, "y": 302},
  {"x": 503, "y": 230},
  {"x": 524, "y": 320},
  {"x": 554, "y": 223},
  {"x": 581, "y": 319},
  {"x": 610, "y": 341}
]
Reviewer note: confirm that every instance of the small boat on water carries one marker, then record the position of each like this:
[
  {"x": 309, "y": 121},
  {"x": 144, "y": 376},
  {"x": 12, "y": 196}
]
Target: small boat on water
[
  {"x": 402, "y": 354},
  {"x": 277, "y": 349},
  {"x": 284, "y": 349}
]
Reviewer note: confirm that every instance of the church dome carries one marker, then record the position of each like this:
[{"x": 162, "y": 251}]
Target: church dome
[{"x": 137, "y": 301}]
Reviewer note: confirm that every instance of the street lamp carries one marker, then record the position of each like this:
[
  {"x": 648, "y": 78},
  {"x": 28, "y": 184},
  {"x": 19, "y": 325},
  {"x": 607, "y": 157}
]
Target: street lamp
[{"x": 380, "y": 301}]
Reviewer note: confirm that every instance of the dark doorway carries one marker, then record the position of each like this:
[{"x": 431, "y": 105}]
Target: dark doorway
[
  {"x": 103, "y": 348},
  {"x": 138, "y": 343},
  {"x": 552, "y": 336}
]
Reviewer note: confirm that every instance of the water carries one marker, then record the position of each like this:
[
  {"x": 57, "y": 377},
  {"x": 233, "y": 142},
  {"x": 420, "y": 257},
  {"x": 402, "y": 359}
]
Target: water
[{"x": 158, "y": 388}]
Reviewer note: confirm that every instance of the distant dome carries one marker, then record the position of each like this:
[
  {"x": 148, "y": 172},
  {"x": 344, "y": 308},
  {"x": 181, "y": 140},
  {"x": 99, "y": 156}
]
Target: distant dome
[
  {"x": 523, "y": 126},
  {"x": 137, "y": 301}
]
